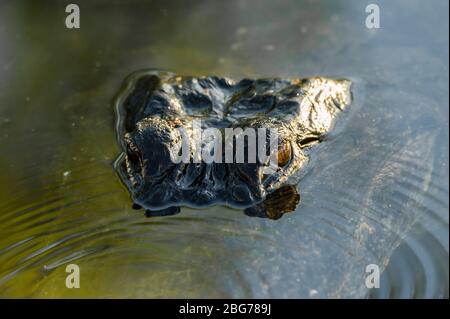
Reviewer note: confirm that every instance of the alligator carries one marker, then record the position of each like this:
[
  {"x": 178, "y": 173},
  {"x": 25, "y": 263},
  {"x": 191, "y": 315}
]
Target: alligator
[{"x": 153, "y": 107}]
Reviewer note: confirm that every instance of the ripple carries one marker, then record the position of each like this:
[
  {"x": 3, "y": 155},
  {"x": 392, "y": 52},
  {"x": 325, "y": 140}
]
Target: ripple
[{"x": 417, "y": 269}]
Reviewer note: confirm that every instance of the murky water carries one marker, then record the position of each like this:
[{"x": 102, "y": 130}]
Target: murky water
[{"x": 375, "y": 192}]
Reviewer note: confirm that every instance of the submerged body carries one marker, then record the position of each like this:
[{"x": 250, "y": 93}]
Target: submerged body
[{"x": 155, "y": 105}]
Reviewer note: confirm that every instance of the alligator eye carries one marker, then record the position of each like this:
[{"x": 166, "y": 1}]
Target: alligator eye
[{"x": 284, "y": 154}]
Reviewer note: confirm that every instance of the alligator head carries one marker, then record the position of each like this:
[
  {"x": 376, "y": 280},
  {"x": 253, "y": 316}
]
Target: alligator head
[{"x": 167, "y": 122}]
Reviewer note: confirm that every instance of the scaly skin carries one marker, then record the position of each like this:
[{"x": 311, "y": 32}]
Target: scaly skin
[{"x": 154, "y": 105}]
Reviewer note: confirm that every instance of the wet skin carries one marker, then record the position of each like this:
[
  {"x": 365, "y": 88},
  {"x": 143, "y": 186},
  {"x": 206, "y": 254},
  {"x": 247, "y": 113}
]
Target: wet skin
[{"x": 154, "y": 105}]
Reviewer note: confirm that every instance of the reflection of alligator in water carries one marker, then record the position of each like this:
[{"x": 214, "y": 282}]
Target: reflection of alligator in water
[{"x": 155, "y": 104}]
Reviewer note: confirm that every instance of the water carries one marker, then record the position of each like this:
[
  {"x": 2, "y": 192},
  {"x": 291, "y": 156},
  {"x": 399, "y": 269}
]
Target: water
[{"x": 375, "y": 192}]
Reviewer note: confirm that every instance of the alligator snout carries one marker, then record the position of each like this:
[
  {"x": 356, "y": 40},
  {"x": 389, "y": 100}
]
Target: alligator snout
[{"x": 157, "y": 179}]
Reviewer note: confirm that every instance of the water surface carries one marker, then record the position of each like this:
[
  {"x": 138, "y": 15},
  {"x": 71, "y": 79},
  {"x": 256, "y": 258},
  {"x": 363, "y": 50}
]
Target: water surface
[{"x": 375, "y": 192}]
